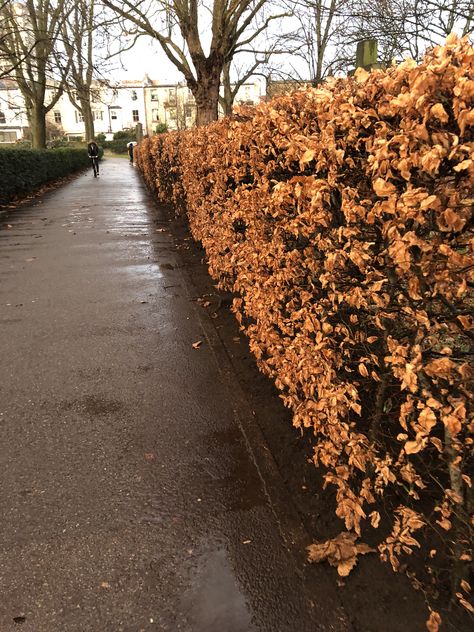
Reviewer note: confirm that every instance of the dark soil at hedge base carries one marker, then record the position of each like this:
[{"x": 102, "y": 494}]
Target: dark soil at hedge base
[{"x": 375, "y": 598}]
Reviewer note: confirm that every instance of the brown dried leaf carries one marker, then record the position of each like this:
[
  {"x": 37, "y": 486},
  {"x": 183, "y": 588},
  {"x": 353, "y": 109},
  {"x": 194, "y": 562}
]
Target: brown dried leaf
[
  {"x": 439, "y": 112},
  {"x": 383, "y": 188},
  {"x": 464, "y": 603},
  {"x": 433, "y": 622},
  {"x": 341, "y": 552}
]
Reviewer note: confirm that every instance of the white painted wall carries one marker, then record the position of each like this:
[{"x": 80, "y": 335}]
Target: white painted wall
[
  {"x": 117, "y": 108},
  {"x": 12, "y": 111}
]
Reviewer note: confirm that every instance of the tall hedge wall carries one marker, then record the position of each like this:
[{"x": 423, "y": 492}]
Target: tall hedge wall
[
  {"x": 23, "y": 170},
  {"x": 342, "y": 217}
]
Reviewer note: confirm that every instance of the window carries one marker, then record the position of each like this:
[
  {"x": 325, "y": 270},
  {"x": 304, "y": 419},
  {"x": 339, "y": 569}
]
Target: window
[
  {"x": 57, "y": 116},
  {"x": 172, "y": 114},
  {"x": 155, "y": 115},
  {"x": 134, "y": 95},
  {"x": 188, "y": 111},
  {"x": 98, "y": 115},
  {"x": 154, "y": 95},
  {"x": 7, "y": 137},
  {"x": 2, "y": 118},
  {"x": 79, "y": 117},
  {"x": 113, "y": 115},
  {"x": 135, "y": 116}
]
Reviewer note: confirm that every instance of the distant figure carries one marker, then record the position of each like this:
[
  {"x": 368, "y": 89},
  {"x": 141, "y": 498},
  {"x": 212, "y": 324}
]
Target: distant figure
[
  {"x": 93, "y": 151},
  {"x": 130, "y": 147}
]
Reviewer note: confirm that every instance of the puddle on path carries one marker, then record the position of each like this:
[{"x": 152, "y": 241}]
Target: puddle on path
[
  {"x": 229, "y": 474},
  {"x": 214, "y": 601}
]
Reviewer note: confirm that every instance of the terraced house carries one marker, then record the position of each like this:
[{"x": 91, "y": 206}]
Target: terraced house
[{"x": 115, "y": 106}]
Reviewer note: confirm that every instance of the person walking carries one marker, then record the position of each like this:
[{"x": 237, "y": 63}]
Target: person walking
[
  {"x": 130, "y": 147},
  {"x": 93, "y": 151}
]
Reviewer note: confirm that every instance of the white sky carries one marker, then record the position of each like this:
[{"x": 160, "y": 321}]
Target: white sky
[{"x": 146, "y": 57}]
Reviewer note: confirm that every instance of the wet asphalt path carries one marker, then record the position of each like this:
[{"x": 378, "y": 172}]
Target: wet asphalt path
[{"x": 129, "y": 500}]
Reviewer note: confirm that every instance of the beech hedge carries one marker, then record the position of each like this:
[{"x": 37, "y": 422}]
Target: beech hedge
[
  {"x": 342, "y": 217},
  {"x": 23, "y": 170}
]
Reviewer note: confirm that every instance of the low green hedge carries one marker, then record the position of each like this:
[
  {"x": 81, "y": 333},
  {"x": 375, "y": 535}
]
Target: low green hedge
[
  {"x": 23, "y": 170},
  {"x": 118, "y": 146}
]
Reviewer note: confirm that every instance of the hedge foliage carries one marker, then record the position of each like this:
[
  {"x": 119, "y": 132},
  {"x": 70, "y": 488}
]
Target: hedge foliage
[
  {"x": 23, "y": 170},
  {"x": 342, "y": 216},
  {"x": 117, "y": 146}
]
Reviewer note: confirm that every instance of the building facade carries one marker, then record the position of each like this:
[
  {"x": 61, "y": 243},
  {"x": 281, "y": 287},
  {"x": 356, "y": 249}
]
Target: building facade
[
  {"x": 115, "y": 107},
  {"x": 13, "y": 120}
]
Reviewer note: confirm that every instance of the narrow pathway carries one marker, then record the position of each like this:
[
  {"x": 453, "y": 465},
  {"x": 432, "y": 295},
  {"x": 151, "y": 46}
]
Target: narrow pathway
[{"x": 129, "y": 500}]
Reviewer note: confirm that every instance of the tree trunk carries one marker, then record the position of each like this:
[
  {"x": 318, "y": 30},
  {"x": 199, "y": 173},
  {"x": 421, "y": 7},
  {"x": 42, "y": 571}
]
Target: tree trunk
[
  {"x": 228, "y": 100},
  {"x": 37, "y": 120},
  {"x": 206, "y": 93},
  {"x": 88, "y": 120}
]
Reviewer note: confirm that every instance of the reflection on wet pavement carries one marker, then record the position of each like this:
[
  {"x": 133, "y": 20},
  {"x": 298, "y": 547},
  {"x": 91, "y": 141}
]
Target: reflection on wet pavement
[{"x": 214, "y": 601}]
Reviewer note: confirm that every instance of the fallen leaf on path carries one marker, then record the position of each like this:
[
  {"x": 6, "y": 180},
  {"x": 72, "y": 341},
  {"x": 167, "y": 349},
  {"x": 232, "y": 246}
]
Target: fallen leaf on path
[
  {"x": 104, "y": 585},
  {"x": 246, "y": 541},
  {"x": 161, "y": 230},
  {"x": 31, "y": 258},
  {"x": 149, "y": 456},
  {"x": 434, "y": 621},
  {"x": 341, "y": 552},
  {"x": 197, "y": 344}
]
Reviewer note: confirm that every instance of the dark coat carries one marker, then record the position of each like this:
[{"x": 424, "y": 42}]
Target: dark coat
[{"x": 93, "y": 150}]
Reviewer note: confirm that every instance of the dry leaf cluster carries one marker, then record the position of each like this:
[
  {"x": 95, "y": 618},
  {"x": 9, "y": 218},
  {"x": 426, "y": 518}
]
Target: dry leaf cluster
[
  {"x": 341, "y": 552},
  {"x": 342, "y": 217}
]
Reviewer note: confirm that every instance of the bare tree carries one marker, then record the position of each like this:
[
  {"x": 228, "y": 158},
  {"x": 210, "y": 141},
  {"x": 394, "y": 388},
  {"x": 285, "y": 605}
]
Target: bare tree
[
  {"x": 329, "y": 30},
  {"x": 320, "y": 32},
  {"x": 258, "y": 55},
  {"x": 7, "y": 65},
  {"x": 230, "y": 88},
  {"x": 408, "y": 27},
  {"x": 182, "y": 28},
  {"x": 78, "y": 36},
  {"x": 30, "y": 32}
]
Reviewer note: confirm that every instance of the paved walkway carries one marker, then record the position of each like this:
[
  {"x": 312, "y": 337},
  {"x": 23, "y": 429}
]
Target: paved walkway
[{"x": 129, "y": 500}]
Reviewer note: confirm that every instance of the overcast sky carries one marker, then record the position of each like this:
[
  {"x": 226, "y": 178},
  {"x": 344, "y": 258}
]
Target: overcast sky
[{"x": 146, "y": 57}]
